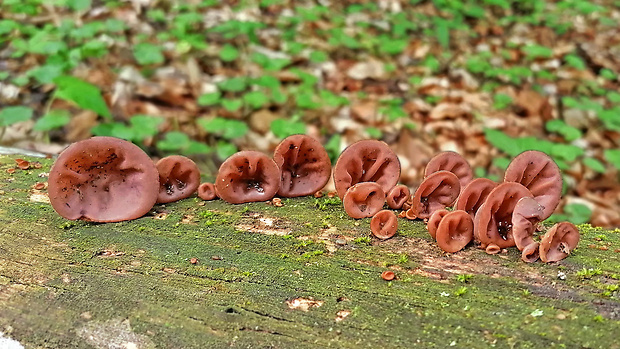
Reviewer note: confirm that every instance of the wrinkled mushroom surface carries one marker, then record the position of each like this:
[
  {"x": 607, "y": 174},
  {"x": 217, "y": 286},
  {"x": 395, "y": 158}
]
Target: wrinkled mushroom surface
[
  {"x": 179, "y": 177},
  {"x": 455, "y": 231},
  {"x": 366, "y": 161},
  {"x": 453, "y": 162},
  {"x": 384, "y": 224},
  {"x": 540, "y": 174},
  {"x": 493, "y": 221},
  {"x": 558, "y": 242},
  {"x": 247, "y": 176},
  {"x": 437, "y": 191},
  {"x": 206, "y": 191},
  {"x": 304, "y": 165},
  {"x": 526, "y": 215},
  {"x": 363, "y": 200},
  {"x": 434, "y": 220},
  {"x": 397, "y": 196},
  {"x": 474, "y": 194},
  {"x": 103, "y": 179}
]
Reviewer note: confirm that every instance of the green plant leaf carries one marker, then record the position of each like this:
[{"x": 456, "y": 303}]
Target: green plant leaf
[
  {"x": 195, "y": 147},
  {"x": 537, "y": 51},
  {"x": 227, "y": 128},
  {"x": 146, "y": 54},
  {"x": 229, "y": 53},
  {"x": 501, "y": 101},
  {"x": 578, "y": 213},
  {"x": 502, "y": 141},
  {"x": 594, "y": 164},
  {"x": 225, "y": 149},
  {"x": 45, "y": 74},
  {"x": 113, "y": 129},
  {"x": 12, "y": 115},
  {"x": 232, "y": 104},
  {"x": 236, "y": 84},
  {"x": 82, "y": 93},
  {"x": 209, "y": 98},
  {"x": 53, "y": 119},
  {"x": 174, "y": 141},
  {"x": 318, "y": 57},
  {"x": 283, "y": 128},
  {"x": 612, "y": 156},
  {"x": 255, "y": 99},
  {"x": 145, "y": 126}
]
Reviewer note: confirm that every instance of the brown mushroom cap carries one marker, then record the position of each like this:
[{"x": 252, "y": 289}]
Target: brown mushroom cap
[
  {"x": 540, "y": 174},
  {"x": 558, "y": 242},
  {"x": 455, "y": 231},
  {"x": 437, "y": 191},
  {"x": 363, "y": 200},
  {"x": 179, "y": 177},
  {"x": 474, "y": 194},
  {"x": 247, "y": 176},
  {"x": 304, "y": 165},
  {"x": 103, "y": 179},
  {"x": 493, "y": 221},
  {"x": 433, "y": 222},
  {"x": 397, "y": 196},
  {"x": 453, "y": 162},
  {"x": 366, "y": 161},
  {"x": 530, "y": 253},
  {"x": 206, "y": 191},
  {"x": 384, "y": 224},
  {"x": 525, "y": 217}
]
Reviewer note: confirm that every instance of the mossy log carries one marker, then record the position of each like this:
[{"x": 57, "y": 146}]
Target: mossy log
[{"x": 196, "y": 274}]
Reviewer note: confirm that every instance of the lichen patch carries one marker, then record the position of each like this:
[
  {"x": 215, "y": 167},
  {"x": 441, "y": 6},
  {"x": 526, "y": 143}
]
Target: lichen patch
[
  {"x": 114, "y": 334},
  {"x": 303, "y": 304}
]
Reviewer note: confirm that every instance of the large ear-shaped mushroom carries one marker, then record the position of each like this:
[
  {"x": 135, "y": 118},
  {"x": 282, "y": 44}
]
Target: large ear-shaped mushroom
[
  {"x": 437, "y": 191},
  {"x": 384, "y": 224},
  {"x": 363, "y": 200},
  {"x": 474, "y": 194},
  {"x": 179, "y": 177},
  {"x": 453, "y": 162},
  {"x": 304, "y": 165},
  {"x": 540, "y": 174},
  {"x": 433, "y": 222},
  {"x": 247, "y": 176},
  {"x": 455, "y": 231},
  {"x": 525, "y": 217},
  {"x": 558, "y": 242},
  {"x": 103, "y": 179},
  {"x": 397, "y": 196},
  {"x": 493, "y": 221},
  {"x": 366, "y": 161}
]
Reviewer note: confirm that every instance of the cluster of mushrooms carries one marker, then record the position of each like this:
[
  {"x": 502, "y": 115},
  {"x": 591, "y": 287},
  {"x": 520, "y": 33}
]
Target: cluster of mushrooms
[{"x": 105, "y": 179}]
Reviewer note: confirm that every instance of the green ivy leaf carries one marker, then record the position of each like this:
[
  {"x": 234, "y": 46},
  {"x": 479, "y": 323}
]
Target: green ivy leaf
[
  {"x": 612, "y": 156},
  {"x": 209, "y": 98},
  {"x": 12, "y": 115},
  {"x": 256, "y": 99},
  {"x": 53, "y": 119},
  {"x": 229, "y": 53},
  {"x": 502, "y": 141},
  {"x": 146, "y": 53},
  {"x": 82, "y": 93},
  {"x": 236, "y": 84},
  {"x": 174, "y": 141},
  {"x": 145, "y": 126},
  {"x": 45, "y": 74},
  {"x": 227, "y": 128},
  {"x": 283, "y": 128},
  {"x": 594, "y": 164}
]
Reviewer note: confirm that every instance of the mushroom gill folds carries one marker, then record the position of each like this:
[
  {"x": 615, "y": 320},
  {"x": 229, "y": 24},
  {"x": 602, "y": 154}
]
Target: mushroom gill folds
[
  {"x": 304, "y": 165},
  {"x": 366, "y": 161},
  {"x": 526, "y": 215},
  {"x": 473, "y": 195},
  {"x": 247, "y": 176},
  {"x": 558, "y": 242},
  {"x": 455, "y": 231},
  {"x": 540, "y": 174},
  {"x": 179, "y": 178},
  {"x": 103, "y": 179},
  {"x": 453, "y": 162},
  {"x": 384, "y": 224},
  {"x": 493, "y": 220},
  {"x": 437, "y": 191},
  {"x": 397, "y": 196},
  {"x": 363, "y": 200}
]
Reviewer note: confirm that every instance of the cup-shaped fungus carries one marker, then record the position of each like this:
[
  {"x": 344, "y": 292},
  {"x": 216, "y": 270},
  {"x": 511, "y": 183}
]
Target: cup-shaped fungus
[
  {"x": 103, "y": 179},
  {"x": 363, "y": 200},
  {"x": 474, "y": 194},
  {"x": 437, "y": 191},
  {"x": 540, "y": 174},
  {"x": 525, "y": 217},
  {"x": 179, "y": 177},
  {"x": 558, "y": 242},
  {"x": 455, "y": 231},
  {"x": 366, "y": 161},
  {"x": 433, "y": 222},
  {"x": 397, "y": 196},
  {"x": 493, "y": 221},
  {"x": 247, "y": 176},
  {"x": 304, "y": 166},
  {"x": 384, "y": 224},
  {"x": 206, "y": 191},
  {"x": 453, "y": 162}
]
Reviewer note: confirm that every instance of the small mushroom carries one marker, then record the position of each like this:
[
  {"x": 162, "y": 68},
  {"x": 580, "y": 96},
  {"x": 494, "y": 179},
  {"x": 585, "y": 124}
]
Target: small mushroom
[
  {"x": 206, "y": 191},
  {"x": 433, "y": 222},
  {"x": 540, "y": 174},
  {"x": 179, "y": 177},
  {"x": 558, "y": 242},
  {"x": 103, "y": 179},
  {"x": 247, "y": 176},
  {"x": 397, "y": 196},
  {"x": 525, "y": 217},
  {"x": 384, "y": 224},
  {"x": 453, "y": 162},
  {"x": 493, "y": 221},
  {"x": 437, "y": 191},
  {"x": 304, "y": 166},
  {"x": 366, "y": 161},
  {"x": 474, "y": 194},
  {"x": 455, "y": 231},
  {"x": 363, "y": 200},
  {"x": 492, "y": 248}
]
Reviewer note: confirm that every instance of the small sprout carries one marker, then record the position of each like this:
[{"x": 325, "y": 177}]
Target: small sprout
[
  {"x": 526, "y": 292},
  {"x": 464, "y": 277},
  {"x": 537, "y": 313},
  {"x": 363, "y": 240},
  {"x": 403, "y": 259},
  {"x": 461, "y": 291},
  {"x": 588, "y": 273},
  {"x": 388, "y": 275},
  {"x": 283, "y": 255},
  {"x": 598, "y": 318}
]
